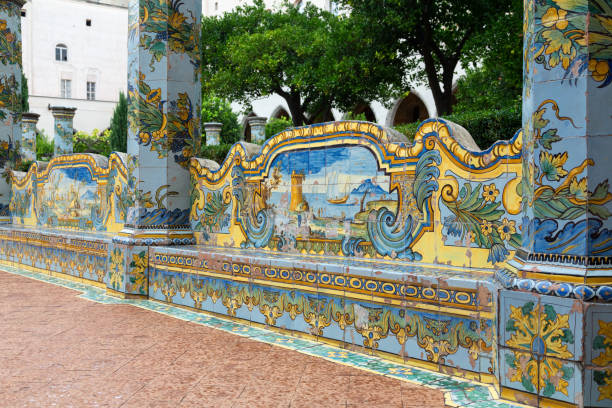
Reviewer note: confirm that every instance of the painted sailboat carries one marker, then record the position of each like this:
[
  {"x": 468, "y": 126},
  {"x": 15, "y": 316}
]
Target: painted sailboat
[{"x": 340, "y": 199}]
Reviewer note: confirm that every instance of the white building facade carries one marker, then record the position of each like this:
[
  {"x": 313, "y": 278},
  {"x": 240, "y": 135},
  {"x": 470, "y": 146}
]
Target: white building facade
[{"x": 75, "y": 55}]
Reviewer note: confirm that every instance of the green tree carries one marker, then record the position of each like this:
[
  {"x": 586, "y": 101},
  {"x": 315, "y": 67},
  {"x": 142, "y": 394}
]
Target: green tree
[
  {"x": 25, "y": 104},
  {"x": 216, "y": 109},
  {"x": 311, "y": 58},
  {"x": 494, "y": 79},
  {"x": 431, "y": 36},
  {"x": 118, "y": 126}
]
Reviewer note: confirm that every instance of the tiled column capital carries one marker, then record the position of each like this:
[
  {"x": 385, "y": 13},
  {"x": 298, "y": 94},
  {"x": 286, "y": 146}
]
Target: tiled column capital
[
  {"x": 258, "y": 128},
  {"x": 213, "y": 133},
  {"x": 28, "y": 137},
  {"x": 63, "y": 129}
]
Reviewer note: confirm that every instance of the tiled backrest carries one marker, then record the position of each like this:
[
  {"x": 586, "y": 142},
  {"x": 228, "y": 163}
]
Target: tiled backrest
[
  {"x": 79, "y": 191},
  {"x": 353, "y": 189}
]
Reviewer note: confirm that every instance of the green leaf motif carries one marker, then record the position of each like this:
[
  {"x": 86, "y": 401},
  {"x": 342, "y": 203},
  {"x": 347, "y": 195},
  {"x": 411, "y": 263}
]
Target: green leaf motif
[
  {"x": 548, "y": 138},
  {"x": 527, "y": 308}
]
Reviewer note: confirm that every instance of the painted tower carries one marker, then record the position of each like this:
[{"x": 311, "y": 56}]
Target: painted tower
[{"x": 297, "y": 203}]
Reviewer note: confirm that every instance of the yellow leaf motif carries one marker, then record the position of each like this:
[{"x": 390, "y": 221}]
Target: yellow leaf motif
[
  {"x": 578, "y": 188},
  {"x": 554, "y": 17},
  {"x": 552, "y": 165}
]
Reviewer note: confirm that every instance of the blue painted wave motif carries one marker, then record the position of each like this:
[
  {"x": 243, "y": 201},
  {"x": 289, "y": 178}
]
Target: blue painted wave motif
[
  {"x": 258, "y": 225},
  {"x": 163, "y": 216},
  {"x": 572, "y": 238},
  {"x": 393, "y": 234}
]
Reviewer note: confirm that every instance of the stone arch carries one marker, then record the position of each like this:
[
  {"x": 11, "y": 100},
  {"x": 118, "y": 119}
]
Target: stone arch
[
  {"x": 408, "y": 109},
  {"x": 279, "y": 113}
]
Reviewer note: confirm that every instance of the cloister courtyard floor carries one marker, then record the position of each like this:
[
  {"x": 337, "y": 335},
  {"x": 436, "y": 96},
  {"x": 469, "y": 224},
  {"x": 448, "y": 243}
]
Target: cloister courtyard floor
[{"x": 66, "y": 344}]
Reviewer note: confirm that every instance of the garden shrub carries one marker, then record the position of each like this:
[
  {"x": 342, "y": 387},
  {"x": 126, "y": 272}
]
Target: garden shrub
[
  {"x": 44, "y": 147},
  {"x": 277, "y": 125},
  {"x": 486, "y": 126},
  {"x": 217, "y": 153},
  {"x": 96, "y": 142}
]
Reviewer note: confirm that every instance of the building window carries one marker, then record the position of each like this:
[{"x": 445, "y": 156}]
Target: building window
[
  {"x": 91, "y": 91},
  {"x": 23, "y": 13},
  {"x": 66, "y": 88},
  {"x": 61, "y": 52},
  {"x": 216, "y": 6},
  {"x": 88, "y": 22}
]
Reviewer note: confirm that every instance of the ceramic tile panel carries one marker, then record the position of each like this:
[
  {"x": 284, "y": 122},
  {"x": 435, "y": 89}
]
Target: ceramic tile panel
[
  {"x": 336, "y": 189},
  {"x": 63, "y": 129},
  {"x": 163, "y": 116},
  {"x": 10, "y": 90},
  {"x": 566, "y": 121},
  {"x": 28, "y": 137}
]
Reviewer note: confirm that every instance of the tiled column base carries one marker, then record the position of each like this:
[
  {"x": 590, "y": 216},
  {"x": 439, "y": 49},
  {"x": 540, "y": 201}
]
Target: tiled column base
[
  {"x": 127, "y": 271},
  {"x": 555, "y": 351}
]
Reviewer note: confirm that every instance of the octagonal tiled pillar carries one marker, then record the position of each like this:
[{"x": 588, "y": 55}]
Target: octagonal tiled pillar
[
  {"x": 10, "y": 95},
  {"x": 555, "y": 345}
]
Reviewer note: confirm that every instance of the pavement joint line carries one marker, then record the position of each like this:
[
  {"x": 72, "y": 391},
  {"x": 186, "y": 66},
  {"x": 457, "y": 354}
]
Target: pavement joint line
[{"x": 453, "y": 396}]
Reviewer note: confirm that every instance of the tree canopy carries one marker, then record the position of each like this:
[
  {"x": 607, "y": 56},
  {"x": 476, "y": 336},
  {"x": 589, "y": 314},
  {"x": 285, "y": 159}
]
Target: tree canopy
[
  {"x": 313, "y": 59},
  {"x": 431, "y": 36}
]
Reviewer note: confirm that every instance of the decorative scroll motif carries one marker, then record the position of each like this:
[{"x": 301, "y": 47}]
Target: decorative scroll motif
[
  {"x": 602, "y": 343},
  {"x": 479, "y": 216},
  {"x": 343, "y": 189},
  {"x": 163, "y": 25},
  {"x": 72, "y": 192},
  {"x": 10, "y": 44},
  {"x": 10, "y": 94},
  {"x": 543, "y": 332},
  {"x": 391, "y": 234},
  {"x": 556, "y": 206},
  {"x": 438, "y": 338}
]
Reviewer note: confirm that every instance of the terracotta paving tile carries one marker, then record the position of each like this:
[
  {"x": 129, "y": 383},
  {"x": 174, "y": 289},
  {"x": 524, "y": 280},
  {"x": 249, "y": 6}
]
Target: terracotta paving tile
[{"x": 60, "y": 350}]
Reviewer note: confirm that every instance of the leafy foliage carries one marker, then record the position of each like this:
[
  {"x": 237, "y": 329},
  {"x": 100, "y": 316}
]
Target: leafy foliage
[
  {"x": 277, "y": 125},
  {"x": 118, "y": 126},
  {"x": 216, "y": 109},
  {"x": 44, "y": 147},
  {"x": 96, "y": 142},
  {"x": 431, "y": 36},
  {"x": 216, "y": 153},
  {"x": 312, "y": 58},
  {"x": 486, "y": 126}
]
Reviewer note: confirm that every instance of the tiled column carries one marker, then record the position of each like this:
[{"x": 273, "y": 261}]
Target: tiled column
[
  {"x": 555, "y": 344},
  {"x": 213, "y": 133},
  {"x": 258, "y": 129},
  {"x": 164, "y": 99},
  {"x": 10, "y": 99},
  {"x": 63, "y": 129},
  {"x": 28, "y": 136}
]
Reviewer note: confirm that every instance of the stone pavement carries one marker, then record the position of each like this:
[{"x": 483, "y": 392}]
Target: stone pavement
[{"x": 60, "y": 350}]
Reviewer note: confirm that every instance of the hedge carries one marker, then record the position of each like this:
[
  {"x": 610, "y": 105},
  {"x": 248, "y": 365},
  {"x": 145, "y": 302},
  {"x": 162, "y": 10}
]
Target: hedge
[
  {"x": 217, "y": 153},
  {"x": 486, "y": 127}
]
